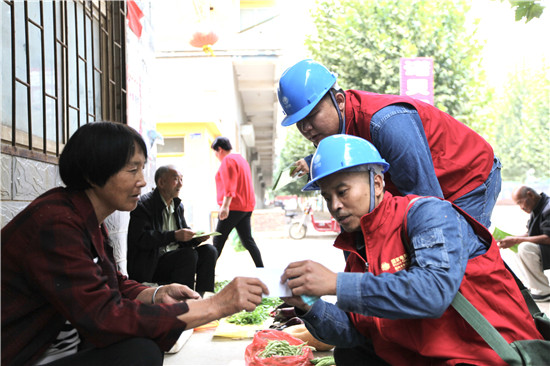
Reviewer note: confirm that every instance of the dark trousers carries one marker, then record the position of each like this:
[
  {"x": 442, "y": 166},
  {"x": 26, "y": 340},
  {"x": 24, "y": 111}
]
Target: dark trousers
[
  {"x": 241, "y": 222},
  {"x": 357, "y": 356},
  {"x": 181, "y": 266},
  {"x": 133, "y": 351}
]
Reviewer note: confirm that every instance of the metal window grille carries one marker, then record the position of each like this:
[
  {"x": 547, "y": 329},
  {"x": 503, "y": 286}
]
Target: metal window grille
[{"x": 63, "y": 65}]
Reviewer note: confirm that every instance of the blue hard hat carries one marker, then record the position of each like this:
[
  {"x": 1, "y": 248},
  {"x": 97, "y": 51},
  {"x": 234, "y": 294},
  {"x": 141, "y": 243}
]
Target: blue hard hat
[
  {"x": 301, "y": 87},
  {"x": 339, "y": 152}
]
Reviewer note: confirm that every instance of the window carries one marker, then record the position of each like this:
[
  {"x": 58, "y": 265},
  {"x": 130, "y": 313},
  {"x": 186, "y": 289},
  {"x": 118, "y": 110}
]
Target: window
[
  {"x": 62, "y": 66},
  {"x": 172, "y": 145}
]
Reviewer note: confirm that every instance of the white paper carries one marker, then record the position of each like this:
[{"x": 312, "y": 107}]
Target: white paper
[{"x": 271, "y": 277}]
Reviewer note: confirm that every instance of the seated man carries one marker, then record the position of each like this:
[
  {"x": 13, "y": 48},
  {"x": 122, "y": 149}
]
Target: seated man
[
  {"x": 161, "y": 247},
  {"x": 409, "y": 256},
  {"x": 534, "y": 251}
]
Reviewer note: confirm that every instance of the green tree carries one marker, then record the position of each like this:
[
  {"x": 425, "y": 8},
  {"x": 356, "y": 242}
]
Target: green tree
[
  {"x": 521, "y": 127},
  {"x": 363, "y": 42},
  {"x": 295, "y": 148}
]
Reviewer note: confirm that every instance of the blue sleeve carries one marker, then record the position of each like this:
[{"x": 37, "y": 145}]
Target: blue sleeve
[
  {"x": 331, "y": 325},
  {"x": 398, "y": 134},
  {"x": 441, "y": 242},
  {"x": 308, "y": 159}
]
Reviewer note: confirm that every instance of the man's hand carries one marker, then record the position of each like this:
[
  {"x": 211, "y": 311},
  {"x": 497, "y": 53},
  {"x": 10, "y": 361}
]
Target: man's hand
[
  {"x": 200, "y": 239},
  {"x": 300, "y": 170},
  {"x": 173, "y": 293},
  {"x": 297, "y": 302},
  {"x": 510, "y": 241},
  {"x": 184, "y": 234},
  {"x": 309, "y": 278}
]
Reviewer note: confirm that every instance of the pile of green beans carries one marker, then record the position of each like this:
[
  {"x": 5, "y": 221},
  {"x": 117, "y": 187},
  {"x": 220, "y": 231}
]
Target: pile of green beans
[{"x": 282, "y": 348}]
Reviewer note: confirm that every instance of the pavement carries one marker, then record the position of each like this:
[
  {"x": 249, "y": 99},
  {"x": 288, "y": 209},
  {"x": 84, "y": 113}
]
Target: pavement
[{"x": 278, "y": 250}]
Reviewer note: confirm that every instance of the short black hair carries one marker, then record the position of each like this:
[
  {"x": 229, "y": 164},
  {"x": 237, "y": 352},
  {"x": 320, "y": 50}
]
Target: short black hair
[
  {"x": 96, "y": 152},
  {"x": 161, "y": 171},
  {"x": 222, "y": 142}
]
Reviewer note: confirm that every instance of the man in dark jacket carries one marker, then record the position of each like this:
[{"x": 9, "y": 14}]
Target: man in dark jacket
[
  {"x": 161, "y": 247},
  {"x": 534, "y": 251}
]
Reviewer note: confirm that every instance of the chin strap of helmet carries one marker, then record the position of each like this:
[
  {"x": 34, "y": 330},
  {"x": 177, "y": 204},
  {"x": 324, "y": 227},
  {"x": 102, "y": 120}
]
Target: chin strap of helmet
[
  {"x": 342, "y": 126},
  {"x": 371, "y": 181}
]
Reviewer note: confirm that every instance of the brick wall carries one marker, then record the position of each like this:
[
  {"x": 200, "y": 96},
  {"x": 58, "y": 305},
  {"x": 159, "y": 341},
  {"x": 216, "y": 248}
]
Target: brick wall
[{"x": 269, "y": 220}]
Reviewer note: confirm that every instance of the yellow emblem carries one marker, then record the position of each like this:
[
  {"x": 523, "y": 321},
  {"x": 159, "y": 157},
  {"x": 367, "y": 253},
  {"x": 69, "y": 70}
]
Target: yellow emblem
[{"x": 385, "y": 266}]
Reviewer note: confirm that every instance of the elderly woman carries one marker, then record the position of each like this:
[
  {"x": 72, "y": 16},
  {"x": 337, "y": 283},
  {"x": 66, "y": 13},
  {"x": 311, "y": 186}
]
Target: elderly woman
[{"x": 63, "y": 301}]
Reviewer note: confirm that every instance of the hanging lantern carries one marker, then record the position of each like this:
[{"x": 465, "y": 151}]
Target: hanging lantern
[{"x": 204, "y": 40}]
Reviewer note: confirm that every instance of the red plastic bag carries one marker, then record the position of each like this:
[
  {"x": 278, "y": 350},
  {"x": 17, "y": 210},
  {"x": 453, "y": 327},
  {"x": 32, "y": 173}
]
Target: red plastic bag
[{"x": 260, "y": 341}]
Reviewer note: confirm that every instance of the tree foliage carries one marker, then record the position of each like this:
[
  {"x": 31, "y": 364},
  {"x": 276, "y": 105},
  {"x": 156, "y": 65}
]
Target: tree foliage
[
  {"x": 521, "y": 127},
  {"x": 363, "y": 42}
]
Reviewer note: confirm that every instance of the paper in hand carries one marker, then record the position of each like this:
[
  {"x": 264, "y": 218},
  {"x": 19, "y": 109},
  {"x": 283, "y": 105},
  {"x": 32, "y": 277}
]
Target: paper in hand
[
  {"x": 286, "y": 176},
  {"x": 200, "y": 234},
  {"x": 271, "y": 277}
]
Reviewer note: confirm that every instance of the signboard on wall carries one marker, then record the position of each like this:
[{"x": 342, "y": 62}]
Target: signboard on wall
[{"x": 417, "y": 78}]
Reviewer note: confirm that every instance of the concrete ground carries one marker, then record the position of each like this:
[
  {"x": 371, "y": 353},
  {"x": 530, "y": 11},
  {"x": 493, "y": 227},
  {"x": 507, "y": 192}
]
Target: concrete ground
[{"x": 277, "y": 249}]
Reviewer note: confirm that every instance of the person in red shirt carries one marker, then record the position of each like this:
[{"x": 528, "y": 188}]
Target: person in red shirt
[
  {"x": 235, "y": 193},
  {"x": 63, "y": 300}
]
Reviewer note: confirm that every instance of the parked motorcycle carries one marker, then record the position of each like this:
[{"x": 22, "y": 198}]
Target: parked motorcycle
[{"x": 298, "y": 229}]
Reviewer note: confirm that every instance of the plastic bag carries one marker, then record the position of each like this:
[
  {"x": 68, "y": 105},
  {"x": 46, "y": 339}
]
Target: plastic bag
[{"x": 260, "y": 341}]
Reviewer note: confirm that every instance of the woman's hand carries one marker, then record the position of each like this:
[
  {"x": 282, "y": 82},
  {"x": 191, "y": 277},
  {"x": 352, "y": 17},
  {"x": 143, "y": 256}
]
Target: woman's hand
[
  {"x": 173, "y": 293},
  {"x": 243, "y": 293}
]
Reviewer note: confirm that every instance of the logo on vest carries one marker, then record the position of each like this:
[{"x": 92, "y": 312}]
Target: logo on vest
[
  {"x": 398, "y": 263},
  {"x": 385, "y": 266}
]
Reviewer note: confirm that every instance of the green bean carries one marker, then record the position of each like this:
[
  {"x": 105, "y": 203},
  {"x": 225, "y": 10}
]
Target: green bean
[
  {"x": 323, "y": 361},
  {"x": 282, "y": 348}
]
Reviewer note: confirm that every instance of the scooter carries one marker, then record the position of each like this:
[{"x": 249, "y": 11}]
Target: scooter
[{"x": 298, "y": 229}]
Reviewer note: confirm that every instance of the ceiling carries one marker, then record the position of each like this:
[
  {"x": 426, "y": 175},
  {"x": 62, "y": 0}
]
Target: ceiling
[{"x": 257, "y": 79}]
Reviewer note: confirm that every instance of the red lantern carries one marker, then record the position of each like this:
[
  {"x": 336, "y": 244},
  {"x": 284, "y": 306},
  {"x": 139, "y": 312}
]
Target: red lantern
[{"x": 205, "y": 41}]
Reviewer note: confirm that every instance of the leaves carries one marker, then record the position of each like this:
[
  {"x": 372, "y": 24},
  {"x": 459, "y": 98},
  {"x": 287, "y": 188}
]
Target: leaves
[
  {"x": 521, "y": 124},
  {"x": 526, "y": 9},
  {"x": 363, "y": 42}
]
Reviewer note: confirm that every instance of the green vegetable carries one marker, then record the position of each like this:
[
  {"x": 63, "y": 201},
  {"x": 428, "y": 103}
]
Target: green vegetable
[
  {"x": 259, "y": 315},
  {"x": 282, "y": 348},
  {"x": 271, "y": 301},
  {"x": 324, "y": 361},
  {"x": 219, "y": 285}
]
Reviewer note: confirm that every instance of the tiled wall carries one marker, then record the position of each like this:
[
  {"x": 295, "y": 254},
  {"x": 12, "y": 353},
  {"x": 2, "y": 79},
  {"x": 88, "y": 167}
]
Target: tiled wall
[{"x": 22, "y": 180}]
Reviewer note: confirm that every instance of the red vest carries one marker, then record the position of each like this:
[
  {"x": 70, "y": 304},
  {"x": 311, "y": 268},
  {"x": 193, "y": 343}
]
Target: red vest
[
  {"x": 462, "y": 159},
  {"x": 447, "y": 340}
]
